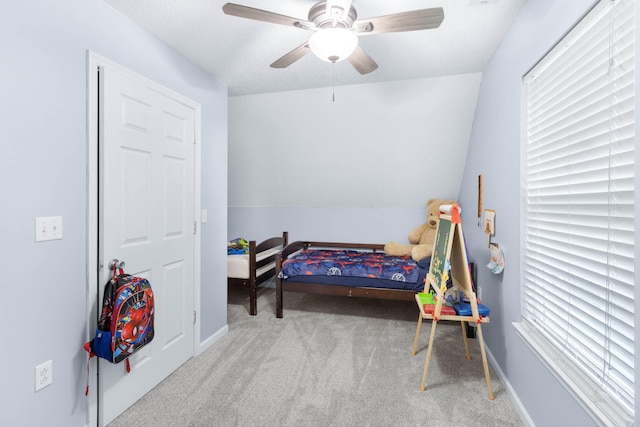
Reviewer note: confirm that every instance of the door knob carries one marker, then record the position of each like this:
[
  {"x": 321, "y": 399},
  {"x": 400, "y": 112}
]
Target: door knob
[{"x": 116, "y": 264}]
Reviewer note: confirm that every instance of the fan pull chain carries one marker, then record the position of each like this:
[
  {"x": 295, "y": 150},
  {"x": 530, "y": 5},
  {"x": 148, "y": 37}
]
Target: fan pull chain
[{"x": 333, "y": 85}]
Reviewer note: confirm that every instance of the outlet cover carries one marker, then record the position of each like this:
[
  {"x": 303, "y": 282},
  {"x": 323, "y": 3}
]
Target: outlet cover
[
  {"x": 44, "y": 375},
  {"x": 48, "y": 228}
]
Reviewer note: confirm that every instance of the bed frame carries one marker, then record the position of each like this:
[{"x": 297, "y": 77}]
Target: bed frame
[
  {"x": 255, "y": 263},
  {"x": 323, "y": 289}
]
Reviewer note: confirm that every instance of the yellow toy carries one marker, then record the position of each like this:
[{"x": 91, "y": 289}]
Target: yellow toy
[{"x": 422, "y": 237}]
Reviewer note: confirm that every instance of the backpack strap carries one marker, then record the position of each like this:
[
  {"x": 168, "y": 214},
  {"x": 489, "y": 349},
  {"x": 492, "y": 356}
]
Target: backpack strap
[
  {"x": 116, "y": 270},
  {"x": 87, "y": 348}
]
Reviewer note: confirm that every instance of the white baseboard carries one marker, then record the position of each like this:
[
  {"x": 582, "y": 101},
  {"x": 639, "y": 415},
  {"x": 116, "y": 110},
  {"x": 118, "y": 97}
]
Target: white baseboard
[
  {"x": 512, "y": 393},
  {"x": 213, "y": 339}
]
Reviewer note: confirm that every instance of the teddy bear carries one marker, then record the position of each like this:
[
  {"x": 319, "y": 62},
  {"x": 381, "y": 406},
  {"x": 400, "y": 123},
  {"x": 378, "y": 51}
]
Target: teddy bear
[{"x": 422, "y": 237}]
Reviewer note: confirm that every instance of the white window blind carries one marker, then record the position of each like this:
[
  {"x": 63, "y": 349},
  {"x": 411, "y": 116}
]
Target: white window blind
[{"x": 578, "y": 209}]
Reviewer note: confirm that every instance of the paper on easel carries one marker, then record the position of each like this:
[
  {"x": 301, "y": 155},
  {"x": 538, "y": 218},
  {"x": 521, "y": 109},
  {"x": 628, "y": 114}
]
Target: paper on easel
[
  {"x": 496, "y": 263},
  {"x": 446, "y": 209}
]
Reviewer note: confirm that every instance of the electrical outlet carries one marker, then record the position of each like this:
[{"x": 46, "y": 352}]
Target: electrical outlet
[
  {"x": 44, "y": 375},
  {"x": 48, "y": 228}
]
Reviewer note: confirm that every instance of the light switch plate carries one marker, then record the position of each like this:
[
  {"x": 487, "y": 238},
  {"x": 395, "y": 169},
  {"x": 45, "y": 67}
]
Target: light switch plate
[{"x": 48, "y": 228}]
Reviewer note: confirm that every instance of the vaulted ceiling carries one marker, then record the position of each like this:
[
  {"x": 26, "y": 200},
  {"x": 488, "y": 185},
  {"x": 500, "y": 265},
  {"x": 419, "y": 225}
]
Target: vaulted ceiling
[{"x": 239, "y": 51}]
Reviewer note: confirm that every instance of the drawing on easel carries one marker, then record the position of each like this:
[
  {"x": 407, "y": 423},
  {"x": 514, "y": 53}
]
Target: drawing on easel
[
  {"x": 449, "y": 261},
  {"x": 438, "y": 265}
]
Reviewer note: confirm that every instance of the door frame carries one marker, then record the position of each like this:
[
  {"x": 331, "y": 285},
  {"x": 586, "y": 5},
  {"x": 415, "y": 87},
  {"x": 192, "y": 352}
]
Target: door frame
[{"x": 94, "y": 61}]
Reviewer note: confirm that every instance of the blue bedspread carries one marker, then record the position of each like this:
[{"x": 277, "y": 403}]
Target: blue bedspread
[{"x": 401, "y": 270}]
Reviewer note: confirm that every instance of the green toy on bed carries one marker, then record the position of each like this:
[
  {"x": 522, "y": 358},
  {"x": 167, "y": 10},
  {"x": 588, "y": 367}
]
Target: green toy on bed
[{"x": 237, "y": 246}]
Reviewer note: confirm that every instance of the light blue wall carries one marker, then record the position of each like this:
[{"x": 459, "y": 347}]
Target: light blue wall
[
  {"x": 357, "y": 169},
  {"x": 326, "y": 224},
  {"x": 43, "y": 172},
  {"x": 494, "y": 152}
]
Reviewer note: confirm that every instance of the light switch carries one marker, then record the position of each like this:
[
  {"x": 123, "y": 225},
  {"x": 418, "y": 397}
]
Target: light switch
[
  {"x": 48, "y": 228},
  {"x": 205, "y": 216}
]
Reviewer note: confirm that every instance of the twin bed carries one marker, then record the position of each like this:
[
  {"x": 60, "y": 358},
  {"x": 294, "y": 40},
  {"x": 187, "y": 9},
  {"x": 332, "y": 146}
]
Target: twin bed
[
  {"x": 325, "y": 268},
  {"x": 347, "y": 269}
]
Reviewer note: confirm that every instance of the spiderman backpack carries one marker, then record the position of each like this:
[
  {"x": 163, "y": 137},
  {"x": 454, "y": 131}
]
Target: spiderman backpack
[{"x": 126, "y": 320}]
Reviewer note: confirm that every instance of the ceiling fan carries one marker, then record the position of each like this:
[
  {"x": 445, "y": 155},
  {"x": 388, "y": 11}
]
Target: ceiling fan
[{"x": 336, "y": 30}]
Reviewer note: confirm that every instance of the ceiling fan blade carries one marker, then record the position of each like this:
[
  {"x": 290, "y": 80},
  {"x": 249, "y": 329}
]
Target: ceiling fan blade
[
  {"x": 362, "y": 62},
  {"x": 292, "y": 56},
  {"x": 265, "y": 16},
  {"x": 422, "y": 19}
]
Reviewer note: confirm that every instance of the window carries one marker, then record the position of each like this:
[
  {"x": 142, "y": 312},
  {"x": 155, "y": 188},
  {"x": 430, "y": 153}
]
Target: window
[{"x": 578, "y": 211}]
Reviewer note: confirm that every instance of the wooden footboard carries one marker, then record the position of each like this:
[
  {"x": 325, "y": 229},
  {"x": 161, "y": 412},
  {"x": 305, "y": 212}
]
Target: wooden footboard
[
  {"x": 323, "y": 289},
  {"x": 255, "y": 264}
]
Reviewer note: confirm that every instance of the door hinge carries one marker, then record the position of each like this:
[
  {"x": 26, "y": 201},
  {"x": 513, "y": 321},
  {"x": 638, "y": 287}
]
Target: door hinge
[
  {"x": 194, "y": 317},
  {"x": 195, "y": 225}
]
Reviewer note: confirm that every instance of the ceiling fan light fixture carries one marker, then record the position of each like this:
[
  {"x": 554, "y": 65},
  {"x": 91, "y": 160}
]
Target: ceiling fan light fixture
[{"x": 333, "y": 44}]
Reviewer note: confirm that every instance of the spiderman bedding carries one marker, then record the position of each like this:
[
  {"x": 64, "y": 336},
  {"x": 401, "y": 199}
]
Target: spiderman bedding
[{"x": 355, "y": 268}]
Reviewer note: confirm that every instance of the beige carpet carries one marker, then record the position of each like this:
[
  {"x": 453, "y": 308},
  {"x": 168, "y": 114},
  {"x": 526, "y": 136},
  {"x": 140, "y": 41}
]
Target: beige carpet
[{"x": 331, "y": 361}]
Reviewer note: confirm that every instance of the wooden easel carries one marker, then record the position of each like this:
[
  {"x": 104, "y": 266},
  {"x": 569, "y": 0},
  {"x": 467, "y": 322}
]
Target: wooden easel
[{"x": 450, "y": 257}]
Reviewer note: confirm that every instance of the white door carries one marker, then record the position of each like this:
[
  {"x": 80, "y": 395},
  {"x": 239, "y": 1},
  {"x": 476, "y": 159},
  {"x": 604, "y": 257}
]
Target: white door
[{"x": 146, "y": 219}]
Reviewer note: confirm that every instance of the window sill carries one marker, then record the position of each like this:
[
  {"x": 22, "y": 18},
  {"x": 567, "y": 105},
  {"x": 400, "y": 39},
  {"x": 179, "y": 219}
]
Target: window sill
[{"x": 597, "y": 404}]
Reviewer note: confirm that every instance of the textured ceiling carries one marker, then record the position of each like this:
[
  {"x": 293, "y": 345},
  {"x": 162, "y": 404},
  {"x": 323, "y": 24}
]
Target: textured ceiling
[{"x": 239, "y": 51}]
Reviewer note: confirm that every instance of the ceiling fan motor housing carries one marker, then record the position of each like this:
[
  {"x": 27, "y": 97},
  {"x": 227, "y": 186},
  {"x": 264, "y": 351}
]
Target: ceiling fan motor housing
[{"x": 319, "y": 16}]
